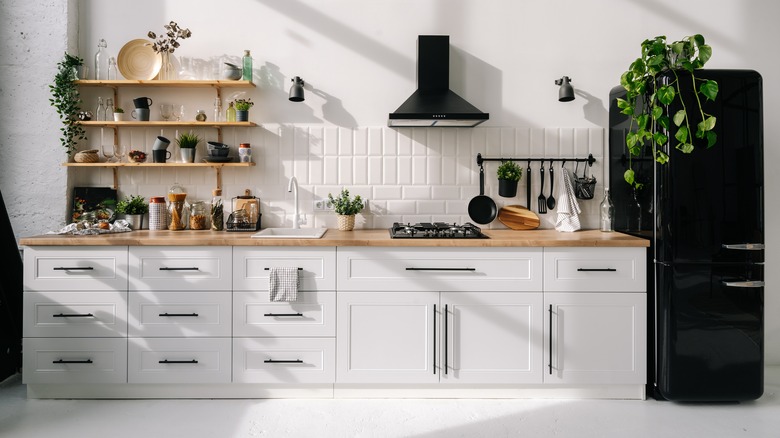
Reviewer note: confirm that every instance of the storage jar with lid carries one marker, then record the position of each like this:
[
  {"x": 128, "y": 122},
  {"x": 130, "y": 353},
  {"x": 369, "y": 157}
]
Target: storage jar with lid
[
  {"x": 158, "y": 213},
  {"x": 244, "y": 153},
  {"x": 217, "y": 211},
  {"x": 199, "y": 215},
  {"x": 177, "y": 213}
]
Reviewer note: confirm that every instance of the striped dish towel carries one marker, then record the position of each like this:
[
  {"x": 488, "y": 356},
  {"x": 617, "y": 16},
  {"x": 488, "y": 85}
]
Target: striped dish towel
[
  {"x": 568, "y": 208},
  {"x": 283, "y": 284}
]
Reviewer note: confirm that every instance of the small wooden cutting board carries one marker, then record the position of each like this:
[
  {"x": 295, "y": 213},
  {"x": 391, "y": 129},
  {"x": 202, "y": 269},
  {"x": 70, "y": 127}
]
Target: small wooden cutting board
[{"x": 518, "y": 217}]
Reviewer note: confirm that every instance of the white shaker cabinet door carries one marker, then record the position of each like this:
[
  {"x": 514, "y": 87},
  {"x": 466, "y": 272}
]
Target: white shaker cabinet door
[
  {"x": 595, "y": 338},
  {"x": 387, "y": 337}
]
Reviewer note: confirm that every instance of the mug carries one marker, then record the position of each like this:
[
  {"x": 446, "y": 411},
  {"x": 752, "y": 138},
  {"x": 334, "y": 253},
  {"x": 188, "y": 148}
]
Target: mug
[
  {"x": 161, "y": 143},
  {"x": 160, "y": 155},
  {"x": 142, "y": 102},
  {"x": 141, "y": 113}
]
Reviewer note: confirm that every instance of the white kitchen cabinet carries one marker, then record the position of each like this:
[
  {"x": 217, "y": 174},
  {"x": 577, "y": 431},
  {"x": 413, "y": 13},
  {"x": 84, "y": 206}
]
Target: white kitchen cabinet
[
  {"x": 180, "y": 268},
  {"x": 313, "y": 314},
  {"x": 595, "y": 270},
  {"x": 79, "y": 268},
  {"x": 74, "y": 360},
  {"x": 179, "y": 314},
  {"x": 178, "y": 360},
  {"x": 59, "y": 314},
  {"x": 284, "y": 360},
  {"x": 252, "y": 265},
  {"x": 387, "y": 337},
  {"x": 595, "y": 338}
]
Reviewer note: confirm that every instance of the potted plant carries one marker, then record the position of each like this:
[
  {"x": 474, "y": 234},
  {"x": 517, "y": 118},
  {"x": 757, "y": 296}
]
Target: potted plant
[
  {"x": 119, "y": 114},
  {"x": 133, "y": 209},
  {"x": 346, "y": 207},
  {"x": 509, "y": 173},
  {"x": 187, "y": 142},
  {"x": 67, "y": 101},
  {"x": 647, "y": 98},
  {"x": 242, "y": 109}
]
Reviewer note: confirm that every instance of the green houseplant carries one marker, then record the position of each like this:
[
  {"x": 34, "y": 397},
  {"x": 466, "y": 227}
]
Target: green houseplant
[
  {"x": 66, "y": 100},
  {"x": 509, "y": 173},
  {"x": 646, "y": 98},
  {"x": 242, "y": 109},
  {"x": 133, "y": 208},
  {"x": 187, "y": 142},
  {"x": 346, "y": 207}
]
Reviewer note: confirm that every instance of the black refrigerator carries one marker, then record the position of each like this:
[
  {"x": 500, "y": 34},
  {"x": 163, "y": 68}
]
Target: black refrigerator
[{"x": 704, "y": 215}]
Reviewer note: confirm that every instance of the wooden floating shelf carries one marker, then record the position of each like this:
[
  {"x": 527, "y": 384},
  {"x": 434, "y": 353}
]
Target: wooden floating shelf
[
  {"x": 115, "y": 167},
  {"x": 177, "y": 83},
  {"x": 161, "y": 123}
]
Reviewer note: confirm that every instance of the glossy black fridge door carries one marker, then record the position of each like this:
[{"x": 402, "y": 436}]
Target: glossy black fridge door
[
  {"x": 710, "y": 342},
  {"x": 710, "y": 203}
]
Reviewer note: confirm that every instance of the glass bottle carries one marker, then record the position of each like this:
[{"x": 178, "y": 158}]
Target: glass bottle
[
  {"x": 101, "y": 61},
  {"x": 109, "y": 115},
  {"x": 247, "y": 66},
  {"x": 607, "y": 210},
  {"x": 100, "y": 111},
  {"x": 217, "y": 109},
  {"x": 230, "y": 114},
  {"x": 112, "y": 69},
  {"x": 217, "y": 211},
  {"x": 634, "y": 213}
]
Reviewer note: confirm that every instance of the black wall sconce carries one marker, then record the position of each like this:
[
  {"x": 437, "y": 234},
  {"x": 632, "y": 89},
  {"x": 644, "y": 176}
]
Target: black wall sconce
[
  {"x": 296, "y": 91},
  {"x": 566, "y": 92}
]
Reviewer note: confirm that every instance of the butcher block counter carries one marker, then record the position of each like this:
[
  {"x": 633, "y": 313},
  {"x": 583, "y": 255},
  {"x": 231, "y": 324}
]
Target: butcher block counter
[{"x": 335, "y": 238}]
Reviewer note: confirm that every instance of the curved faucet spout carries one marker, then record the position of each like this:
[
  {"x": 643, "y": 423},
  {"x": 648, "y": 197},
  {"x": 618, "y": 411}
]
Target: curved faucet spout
[{"x": 293, "y": 187}]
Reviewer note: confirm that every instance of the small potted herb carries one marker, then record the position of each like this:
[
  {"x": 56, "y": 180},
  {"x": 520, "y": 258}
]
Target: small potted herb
[
  {"x": 187, "y": 142},
  {"x": 242, "y": 109},
  {"x": 509, "y": 174},
  {"x": 119, "y": 114},
  {"x": 133, "y": 209},
  {"x": 346, "y": 207}
]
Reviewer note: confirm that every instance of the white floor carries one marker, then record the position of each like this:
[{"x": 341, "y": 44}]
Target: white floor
[{"x": 22, "y": 418}]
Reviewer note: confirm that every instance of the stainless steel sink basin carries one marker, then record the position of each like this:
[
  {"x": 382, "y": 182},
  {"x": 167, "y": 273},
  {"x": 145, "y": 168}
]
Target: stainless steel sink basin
[{"x": 290, "y": 233}]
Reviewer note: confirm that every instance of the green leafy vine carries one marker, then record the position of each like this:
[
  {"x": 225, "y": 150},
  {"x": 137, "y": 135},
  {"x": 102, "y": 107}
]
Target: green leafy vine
[{"x": 67, "y": 101}]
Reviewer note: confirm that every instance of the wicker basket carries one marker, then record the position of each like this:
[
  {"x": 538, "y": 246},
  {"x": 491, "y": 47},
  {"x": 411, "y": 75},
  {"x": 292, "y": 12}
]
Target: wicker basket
[
  {"x": 346, "y": 222},
  {"x": 88, "y": 156}
]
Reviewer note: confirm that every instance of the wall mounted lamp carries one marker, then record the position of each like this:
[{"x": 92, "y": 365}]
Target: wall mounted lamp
[
  {"x": 296, "y": 91},
  {"x": 566, "y": 92}
]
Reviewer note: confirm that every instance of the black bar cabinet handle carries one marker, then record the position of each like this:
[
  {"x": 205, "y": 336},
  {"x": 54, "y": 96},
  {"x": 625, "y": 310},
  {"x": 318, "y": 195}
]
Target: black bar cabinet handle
[
  {"x": 434, "y": 339},
  {"x": 283, "y": 314},
  {"x": 73, "y": 315},
  {"x": 179, "y": 269},
  {"x": 283, "y": 361},
  {"x": 177, "y": 361},
  {"x": 268, "y": 269},
  {"x": 74, "y": 268},
  {"x": 549, "y": 365},
  {"x": 178, "y": 314},
  {"x": 446, "y": 330},
  {"x": 745, "y": 246},
  {"x": 72, "y": 361},
  {"x": 441, "y": 269},
  {"x": 596, "y": 270}
]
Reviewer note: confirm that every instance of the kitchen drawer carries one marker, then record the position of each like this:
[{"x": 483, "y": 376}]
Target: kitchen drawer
[
  {"x": 180, "y": 268},
  {"x": 284, "y": 360},
  {"x": 318, "y": 266},
  {"x": 179, "y": 314},
  {"x": 440, "y": 269},
  {"x": 595, "y": 269},
  {"x": 75, "y": 314},
  {"x": 177, "y": 360},
  {"x": 313, "y": 314},
  {"x": 79, "y": 268},
  {"x": 75, "y": 360}
]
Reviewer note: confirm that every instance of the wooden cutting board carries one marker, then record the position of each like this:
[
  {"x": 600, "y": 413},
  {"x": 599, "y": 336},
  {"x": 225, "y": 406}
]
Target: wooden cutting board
[{"x": 518, "y": 217}]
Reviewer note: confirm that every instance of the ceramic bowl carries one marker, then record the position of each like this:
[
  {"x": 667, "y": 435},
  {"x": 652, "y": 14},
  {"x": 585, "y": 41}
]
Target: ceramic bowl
[{"x": 231, "y": 72}]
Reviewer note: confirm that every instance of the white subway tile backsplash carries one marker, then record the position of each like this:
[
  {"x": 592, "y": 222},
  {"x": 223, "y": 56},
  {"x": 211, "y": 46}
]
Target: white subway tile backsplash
[
  {"x": 375, "y": 141},
  {"x": 345, "y": 170},
  {"x": 361, "y": 141},
  {"x": 331, "y": 170},
  {"x": 390, "y": 143},
  {"x": 420, "y": 170},
  {"x": 360, "y": 170},
  {"x": 405, "y": 170},
  {"x": 388, "y": 192},
  {"x": 330, "y": 141},
  {"x": 390, "y": 170},
  {"x": 375, "y": 170},
  {"x": 416, "y": 192}
]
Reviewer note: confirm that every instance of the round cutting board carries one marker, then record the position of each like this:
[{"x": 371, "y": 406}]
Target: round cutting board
[
  {"x": 138, "y": 61},
  {"x": 518, "y": 217}
]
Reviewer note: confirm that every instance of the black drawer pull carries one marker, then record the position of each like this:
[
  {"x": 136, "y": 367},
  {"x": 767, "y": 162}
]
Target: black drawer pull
[
  {"x": 177, "y": 314},
  {"x": 283, "y": 361},
  {"x": 268, "y": 269},
  {"x": 596, "y": 270},
  {"x": 441, "y": 269},
  {"x": 72, "y": 361},
  {"x": 74, "y": 268},
  {"x": 283, "y": 314},
  {"x": 178, "y": 361},
  {"x": 179, "y": 269},
  {"x": 73, "y": 315}
]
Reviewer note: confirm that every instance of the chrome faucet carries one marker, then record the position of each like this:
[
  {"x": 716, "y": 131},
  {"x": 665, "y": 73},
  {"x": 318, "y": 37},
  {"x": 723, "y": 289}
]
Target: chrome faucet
[{"x": 296, "y": 217}]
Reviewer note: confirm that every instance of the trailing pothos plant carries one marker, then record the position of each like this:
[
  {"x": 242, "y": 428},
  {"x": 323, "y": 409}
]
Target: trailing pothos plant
[
  {"x": 646, "y": 98},
  {"x": 67, "y": 101}
]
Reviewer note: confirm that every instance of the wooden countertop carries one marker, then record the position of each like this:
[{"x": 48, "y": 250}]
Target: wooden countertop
[{"x": 381, "y": 237}]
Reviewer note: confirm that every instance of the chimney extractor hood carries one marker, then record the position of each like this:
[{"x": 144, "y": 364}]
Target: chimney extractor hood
[{"x": 434, "y": 104}]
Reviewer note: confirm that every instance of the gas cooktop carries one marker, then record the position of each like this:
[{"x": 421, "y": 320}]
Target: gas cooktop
[{"x": 436, "y": 230}]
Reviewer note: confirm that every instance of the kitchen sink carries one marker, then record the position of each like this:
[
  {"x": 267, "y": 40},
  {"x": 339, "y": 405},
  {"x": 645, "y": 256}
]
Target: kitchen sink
[{"x": 290, "y": 233}]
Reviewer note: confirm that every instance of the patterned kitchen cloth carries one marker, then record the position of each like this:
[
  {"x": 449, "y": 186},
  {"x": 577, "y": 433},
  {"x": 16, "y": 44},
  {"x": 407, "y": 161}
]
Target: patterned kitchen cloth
[
  {"x": 283, "y": 284},
  {"x": 568, "y": 208}
]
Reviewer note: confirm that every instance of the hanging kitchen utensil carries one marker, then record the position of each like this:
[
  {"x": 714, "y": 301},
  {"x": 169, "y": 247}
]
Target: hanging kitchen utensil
[
  {"x": 542, "y": 200},
  {"x": 551, "y": 198},
  {"x": 584, "y": 187},
  {"x": 517, "y": 217},
  {"x": 482, "y": 209}
]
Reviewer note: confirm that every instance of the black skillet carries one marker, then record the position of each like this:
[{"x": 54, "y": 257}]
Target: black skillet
[{"x": 482, "y": 209}]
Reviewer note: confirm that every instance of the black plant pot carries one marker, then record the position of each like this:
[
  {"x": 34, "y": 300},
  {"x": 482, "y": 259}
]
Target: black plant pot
[{"x": 507, "y": 188}]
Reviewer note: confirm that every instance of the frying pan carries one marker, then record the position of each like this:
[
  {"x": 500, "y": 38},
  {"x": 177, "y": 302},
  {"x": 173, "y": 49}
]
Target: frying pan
[{"x": 482, "y": 209}]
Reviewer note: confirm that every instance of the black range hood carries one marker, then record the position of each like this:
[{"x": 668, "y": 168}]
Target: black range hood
[{"x": 434, "y": 104}]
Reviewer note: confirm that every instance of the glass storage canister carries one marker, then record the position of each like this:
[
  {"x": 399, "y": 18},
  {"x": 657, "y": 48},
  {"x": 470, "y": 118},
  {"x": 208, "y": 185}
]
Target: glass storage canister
[
  {"x": 158, "y": 213},
  {"x": 217, "y": 211},
  {"x": 177, "y": 213},
  {"x": 199, "y": 215}
]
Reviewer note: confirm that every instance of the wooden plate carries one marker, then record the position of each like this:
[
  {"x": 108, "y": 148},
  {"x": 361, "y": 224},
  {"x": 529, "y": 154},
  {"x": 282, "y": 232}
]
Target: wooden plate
[
  {"x": 518, "y": 217},
  {"x": 138, "y": 61}
]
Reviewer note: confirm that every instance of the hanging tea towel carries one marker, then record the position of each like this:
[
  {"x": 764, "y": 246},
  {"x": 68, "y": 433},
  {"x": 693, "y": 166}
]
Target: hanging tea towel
[
  {"x": 568, "y": 208},
  {"x": 283, "y": 284}
]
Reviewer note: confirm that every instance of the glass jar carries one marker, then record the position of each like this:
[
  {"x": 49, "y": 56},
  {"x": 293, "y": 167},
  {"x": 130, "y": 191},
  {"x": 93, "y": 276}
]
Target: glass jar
[
  {"x": 200, "y": 116},
  {"x": 177, "y": 213},
  {"x": 217, "y": 211},
  {"x": 199, "y": 215},
  {"x": 607, "y": 210}
]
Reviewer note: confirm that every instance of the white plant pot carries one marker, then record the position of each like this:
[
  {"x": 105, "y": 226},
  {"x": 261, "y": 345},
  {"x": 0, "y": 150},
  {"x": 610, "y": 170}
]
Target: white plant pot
[{"x": 118, "y": 117}]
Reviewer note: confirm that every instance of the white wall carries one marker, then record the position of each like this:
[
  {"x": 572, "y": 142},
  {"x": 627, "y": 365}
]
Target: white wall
[{"x": 358, "y": 59}]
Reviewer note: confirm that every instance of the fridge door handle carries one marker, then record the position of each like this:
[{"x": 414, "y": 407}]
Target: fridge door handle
[
  {"x": 745, "y": 246},
  {"x": 748, "y": 284}
]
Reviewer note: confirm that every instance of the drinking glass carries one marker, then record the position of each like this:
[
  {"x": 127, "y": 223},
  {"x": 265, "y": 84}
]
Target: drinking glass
[
  {"x": 166, "y": 111},
  {"x": 119, "y": 152},
  {"x": 178, "y": 112},
  {"x": 108, "y": 152}
]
